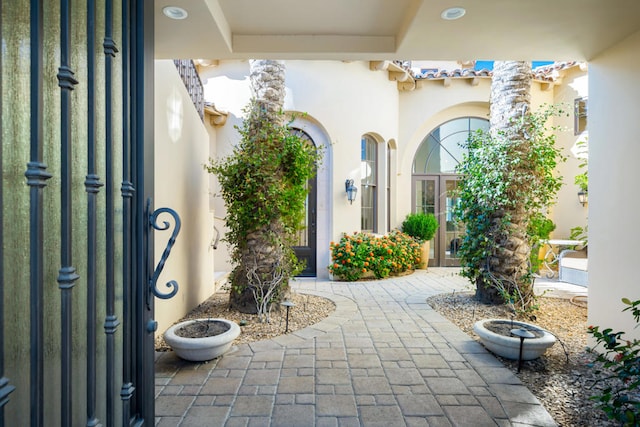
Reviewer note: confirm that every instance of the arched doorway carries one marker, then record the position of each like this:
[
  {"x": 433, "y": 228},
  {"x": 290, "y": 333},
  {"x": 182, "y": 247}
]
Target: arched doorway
[{"x": 435, "y": 182}]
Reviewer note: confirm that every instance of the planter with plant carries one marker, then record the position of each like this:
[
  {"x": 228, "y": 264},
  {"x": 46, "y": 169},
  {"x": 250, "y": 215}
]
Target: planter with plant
[
  {"x": 422, "y": 227},
  {"x": 582, "y": 179},
  {"x": 539, "y": 230}
]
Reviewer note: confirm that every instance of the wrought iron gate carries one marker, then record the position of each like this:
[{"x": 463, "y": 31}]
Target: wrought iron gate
[{"x": 77, "y": 276}]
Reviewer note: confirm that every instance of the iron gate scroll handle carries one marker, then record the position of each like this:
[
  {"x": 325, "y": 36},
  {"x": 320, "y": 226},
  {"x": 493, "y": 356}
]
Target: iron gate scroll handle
[{"x": 153, "y": 282}]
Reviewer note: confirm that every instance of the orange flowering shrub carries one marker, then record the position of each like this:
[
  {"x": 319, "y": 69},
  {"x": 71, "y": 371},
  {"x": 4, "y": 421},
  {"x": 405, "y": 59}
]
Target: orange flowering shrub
[{"x": 354, "y": 255}]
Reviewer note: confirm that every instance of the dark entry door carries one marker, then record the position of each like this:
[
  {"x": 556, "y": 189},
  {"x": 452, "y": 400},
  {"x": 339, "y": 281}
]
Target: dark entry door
[
  {"x": 437, "y": 194},
  {"x": 305, "y": 248}
]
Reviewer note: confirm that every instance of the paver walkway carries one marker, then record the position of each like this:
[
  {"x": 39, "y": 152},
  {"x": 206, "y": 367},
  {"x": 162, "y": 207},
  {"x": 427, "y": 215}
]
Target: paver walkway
[{"x": 384, "y": 358}]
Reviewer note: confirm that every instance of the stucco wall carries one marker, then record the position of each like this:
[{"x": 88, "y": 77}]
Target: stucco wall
[
  {"x": 568, "y": 212},
  {"x": 613, "y": 176},
  {"x": 181, "y": 183}
]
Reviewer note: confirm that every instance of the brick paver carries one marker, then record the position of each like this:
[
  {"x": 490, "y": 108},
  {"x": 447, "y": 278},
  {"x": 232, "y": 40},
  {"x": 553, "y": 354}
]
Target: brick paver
[{"x": 383, "y": 358}]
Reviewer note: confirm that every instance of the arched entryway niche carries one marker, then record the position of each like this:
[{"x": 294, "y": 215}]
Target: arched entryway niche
[
  {"x": 314, "y": 240},
  {"x": 434, "y": 183}
]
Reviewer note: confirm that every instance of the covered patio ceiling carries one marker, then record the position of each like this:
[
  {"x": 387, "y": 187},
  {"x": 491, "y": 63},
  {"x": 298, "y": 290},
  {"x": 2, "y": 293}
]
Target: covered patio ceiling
[{"x": 393, "y": 29}]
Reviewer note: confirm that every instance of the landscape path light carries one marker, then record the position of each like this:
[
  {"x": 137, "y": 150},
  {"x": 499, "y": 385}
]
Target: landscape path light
[
  {"x": 523, "y": 334},
  {"x": 287, "y": 304}
]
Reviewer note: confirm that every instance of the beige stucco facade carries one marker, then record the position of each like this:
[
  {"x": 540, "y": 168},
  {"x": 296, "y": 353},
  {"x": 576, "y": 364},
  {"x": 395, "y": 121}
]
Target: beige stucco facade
[
  {"x": 181, "y": 183},
  {"x": 613, "y": 168}
]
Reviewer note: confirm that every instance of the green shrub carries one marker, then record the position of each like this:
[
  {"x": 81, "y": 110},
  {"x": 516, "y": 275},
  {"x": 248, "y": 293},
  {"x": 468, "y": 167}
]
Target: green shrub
[
  {"x": 420, "y": 226},
  {"x": 539, "y": 228},
  {"x": 619, "y": 370},
  {"x": 355, "y": 255},
  {"x": 580, "y": 233}
]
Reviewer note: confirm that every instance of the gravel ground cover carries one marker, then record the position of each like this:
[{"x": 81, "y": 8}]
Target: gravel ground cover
[
  {"x": 308, "y": 310},
  {"x": 561, "y": 379}
]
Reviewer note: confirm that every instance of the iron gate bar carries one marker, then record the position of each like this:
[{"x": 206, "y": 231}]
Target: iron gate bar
[
  {"x": 5, "y": 387},
  {"x": 92, "y": 185},
  {"x": 37, "y": 177},
  {"x": 127, "y": 390},
  {"x": 4, "y": 395},
  {"x": 67, "y": 274},
  {"x": 138, "y": 257},
  {"x": 142, "y": 93},
  {"x": 111, "y": 320}
]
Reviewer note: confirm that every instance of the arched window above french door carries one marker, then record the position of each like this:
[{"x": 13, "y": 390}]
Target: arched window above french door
[
  {"x": 435, "y": 182},
  {"x": 441, "y": 151}
]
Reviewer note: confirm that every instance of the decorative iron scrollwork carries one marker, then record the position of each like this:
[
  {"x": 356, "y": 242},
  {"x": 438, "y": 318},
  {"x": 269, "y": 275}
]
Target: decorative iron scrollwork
[{"x": 153, "y": 222}]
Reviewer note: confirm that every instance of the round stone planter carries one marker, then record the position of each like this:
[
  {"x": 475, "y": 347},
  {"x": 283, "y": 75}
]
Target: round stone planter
[
  {"x": 205, "y": 348},
  {"x": 508, "y": 346}
]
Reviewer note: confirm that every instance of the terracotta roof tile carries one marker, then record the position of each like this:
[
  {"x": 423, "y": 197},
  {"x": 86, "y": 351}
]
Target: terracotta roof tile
[
  {"x": 547, "y": 73},
  {"x": 457, "y": 73}
]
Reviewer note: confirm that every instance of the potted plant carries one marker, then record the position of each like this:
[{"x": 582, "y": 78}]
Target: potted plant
[
  {"x": 582, "y": 179},
  {"x": 199, "y": 340},
  {"x": 539, "y": 230},
  {"x": 422, "y": 227}
]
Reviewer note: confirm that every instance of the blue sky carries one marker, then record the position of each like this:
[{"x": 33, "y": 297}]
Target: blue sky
[{"x": 488, "y": 65}]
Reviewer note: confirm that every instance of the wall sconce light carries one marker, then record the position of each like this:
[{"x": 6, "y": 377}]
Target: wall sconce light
[
  {"x": 351, "y": 190},
  {"x": 583, "y": 197}
]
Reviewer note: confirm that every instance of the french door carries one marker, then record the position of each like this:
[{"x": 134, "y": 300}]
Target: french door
[{"x": 437, "y": 194}]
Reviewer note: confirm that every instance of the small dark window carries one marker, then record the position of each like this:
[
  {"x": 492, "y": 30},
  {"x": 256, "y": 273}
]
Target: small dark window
[{"x": 580, "y": 115}]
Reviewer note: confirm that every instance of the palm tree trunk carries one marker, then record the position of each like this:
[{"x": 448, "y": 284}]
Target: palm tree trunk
[
  {"x": 267, "y": 86},
  {"x": 261, "y": 259},
  {"x": 508, "y": 268}
]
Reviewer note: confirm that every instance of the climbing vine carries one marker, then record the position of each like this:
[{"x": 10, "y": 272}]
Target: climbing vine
[
  {"x": 263, "y": 184},
  {"x": 505, "y": 180}
]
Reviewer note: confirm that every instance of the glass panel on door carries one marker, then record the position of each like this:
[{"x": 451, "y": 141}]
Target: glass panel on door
[
  {"x": 438, "y": 195},
  {"x": 425, "y": 191},
  {"x": 453, "y": 229}
]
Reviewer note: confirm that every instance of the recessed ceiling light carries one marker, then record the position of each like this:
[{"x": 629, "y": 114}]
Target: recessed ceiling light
[
  {"x": 453, "y": 13},
  {"x": 174, "y": 12}
]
